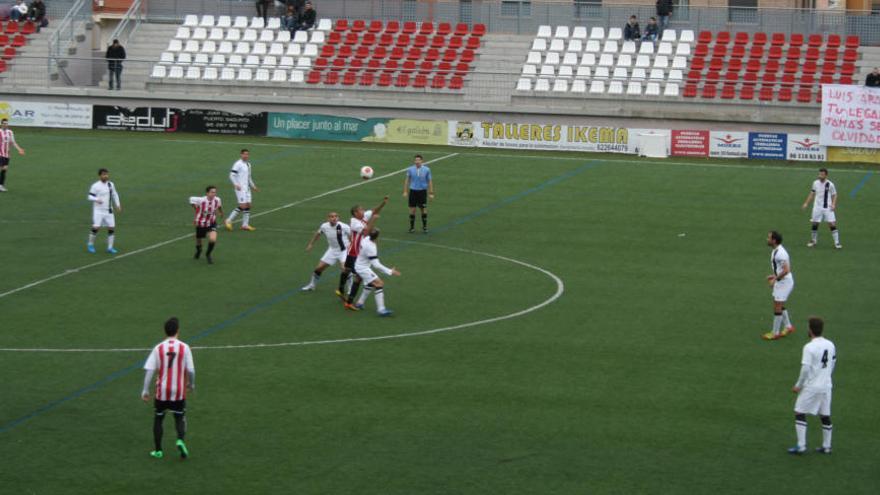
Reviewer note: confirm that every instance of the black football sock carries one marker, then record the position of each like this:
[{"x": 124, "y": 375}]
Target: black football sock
[
  {"x": 157, "y": 430},
  {"x": 424, "y": 220},
  {"x": 180, "y": 425},
  {"x": 412, "y": 222},
  {"x": 354, "y": 290},
  {"x": 198, "y": 251},
  {"x": 342, "y": 280},
  {"x": 210, "y": 248},
  {"x": 2, "y": 177}
]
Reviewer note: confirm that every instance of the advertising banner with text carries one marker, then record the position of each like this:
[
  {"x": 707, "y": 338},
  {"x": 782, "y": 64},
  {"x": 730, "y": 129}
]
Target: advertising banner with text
[
  {"x": 723, "y": 144},
  {"x": 553, "y": 137},
  {"x": 767, "y": 145},
  {"x": 850, "y": 116},
  {"x": 805, "y": 147},
  {"x": 37, "y": 114},
  {"x": 377, "y": 130},
  {"x": 690, "y": 143}
]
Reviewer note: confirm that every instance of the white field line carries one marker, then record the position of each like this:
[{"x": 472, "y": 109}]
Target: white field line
[
  {"x": 169, "y": 241},
  {"x": 560, "y": 289}
]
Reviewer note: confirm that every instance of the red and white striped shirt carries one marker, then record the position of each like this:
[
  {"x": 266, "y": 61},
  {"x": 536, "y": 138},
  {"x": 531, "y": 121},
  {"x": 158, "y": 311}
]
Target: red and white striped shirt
[
  {"x": 171, "y": 360},
  {"x": 357, "y": 231},
  {"x": 206, "y": 210},
  {"x": 7, "y": 139}
]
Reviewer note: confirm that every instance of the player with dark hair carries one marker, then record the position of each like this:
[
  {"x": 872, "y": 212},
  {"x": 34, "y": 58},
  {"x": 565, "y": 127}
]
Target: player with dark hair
[
  {"x": 814, "y": 387},
  {"x": 7, "y": 139},
  {"x": 361, "y": 221},
  {"x": 419, "y": 186},
  {"x": 104, "y": 196},
  {"x": 368, "y": 258},
  {"x": 824, "y": 197},
  {"x": 172, "y": 362},
  {"x": 207, "y": 208},
  {"x": 242, "y": 179},
  {"x": 782, "y": 282}
]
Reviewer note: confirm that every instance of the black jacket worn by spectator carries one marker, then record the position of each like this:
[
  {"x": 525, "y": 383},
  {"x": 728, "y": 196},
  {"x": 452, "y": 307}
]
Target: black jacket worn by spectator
[
  {"x": 631, "y": 32},
  {"x": 652, "y": 30},
  {"x": 37, "y": 11},
  {"x": 115, "y": 55},
  {"x": 298, "y": 5},
  {"x": 307, "y": 18},
  {"x": 873, "y": 80},
  {"x": 664, "y": 7}
]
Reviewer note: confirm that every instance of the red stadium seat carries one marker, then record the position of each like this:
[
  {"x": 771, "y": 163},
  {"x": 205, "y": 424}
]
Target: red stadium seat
[
  {"x": 805, "y": 95},
  {"x": 704, "y": 37},
  {"x": 850, "y": 55},
  {"x": 426, "y": 67},
  {"x": 829, "y": 68},
  {"x": 775, "y": 53},
  {"x": 402, "y": 41},
  {"x": 771, "y": 66},
  {"x": 788, "y": 80},
  {"x": 438, "y": 41},
  {"x": 409, "y": 27},
  {"x": 735, "y": 65},
  {"x": 338, "y": 64},
  {"x": 694, "y": 76},
  {"x": 367, "y": 79},
  {"x": 766, "y": 93},
  {"x": 728, "y": 91},
  {"x": 741, "y": 38},
  {"x": 414, "y": 54},
  {"x": 831, "y": 55},
  {"x": 385, "y": 79},
  {"x": 739, "y": 51},
  {"x": 768, "y": 78},
  {"x": 467, "y": 56},
  {"x": 352, "y": 38},
  {"x": 847, "y": 69},
  {"x": 386, "y": 40},
  {"x": 809, "y": 67},
  {"x": 328, "y": 51},
  {"x": 690, "y": 90},
  {"x": 432, "y": 55},
  {"x": 374, "y": 65},
  {"x": 812, "y": 54},
  {"x": 362, "y": 52},
  {"x": 461, "y": 29},
  {"x": 480, "y": 30},
  {"x": 846, "y": 80},
  {"x": 701, "y": 50},
  {"x": 723, "y": 38},
  {"x": 750, "y": 79},
  {"x": 791, "y": 67},
  {"x": 4, "y": 40},
  {"x": 719, "y": 50},
  {"x": 392, "y": 27},
  {"x": 797, "y": 39},
  {"x": 28, "y": 28},
  {"x": 815, "y": 40},
  {"x": 331, "y": 78},
  {"x": 826, "y": 79},
  {"x": 698, "y": 63},
  {"x": 456, "y": 82},
  {"x": 747, "y": 93},
  {"x": 462, "y": 68},
  {"x": 716, "y": 64},
  {"x": 2, "y": 66},
  {"x": 375, "y": 27},
  {"x": 439, "y": 82},
  {"x": 369, "y": 39},
  {"x": 19, "y": 40},
  {"x": 833, "y": 41},
  {"x": 794, "y": 53},
  {"x": 379, "y": 53},
  {"x": 397, "y": 53},
  {"x": 314, "y": 77},
  {"x": 731, "y": 76},
  {"x": 349, "y": 78},
  {"x": 427, "y": 28},
  {"x": 344, "y": 51},
  {"x": 402, "y": 80},
  {"x": 444, "y": 28},
  {"x": 712, "y": 77},
  {"x": 853, "y": 42},
  {"x": 456, "y": 42},
  {"x": 759, "y": 39},
  {"x": 359, "y": 26},
  {"x": 785, "y": 94},
  {"x": 420, "y": 41},
  {"x": 334, "y": 38},
  {"x": 420, "y": 81},
  {"x": 408, "y": 67},
  {"x": 321, "y": 63},
  {"x": 341, "y": 25},
  {"x": 756, "y": 52},
  {"x": 11, "y": 27},
  {"x": 778, "y": 39},
  {"x": 390, "y": 66},
  {"x": 709, "y": 91},
  {"x": 473, "y": 43},
  {"x": 444, "y": 68},
  {"x": 450, "y": 56}
]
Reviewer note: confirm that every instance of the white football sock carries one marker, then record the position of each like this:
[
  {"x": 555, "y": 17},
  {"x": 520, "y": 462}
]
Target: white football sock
[
  {"x": 835, "y": 234},
  {"x": 246, "y": 218},
  {"x": 786, "y": 321},
  {"x": 777, "y": 324},
  {"x": 92, "y": 238},
  {"x": 826, "y": 436},
  {"x": 364, "y": 295},
  {"x": 110, "y": 239},
  {"x": 800, "y": 427},
  {"x": 814, "y": 236},
  {"x": 232, "y": 215},
  {"x": 380, "y": 300}
]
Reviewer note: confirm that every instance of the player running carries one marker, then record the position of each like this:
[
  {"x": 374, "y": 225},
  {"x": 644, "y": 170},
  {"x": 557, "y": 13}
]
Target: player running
[
  {"x": 360, "y": 222},
  {"x": 172, "y": 362},
  {"x": 103, "y": 195},
  {"x": 368, "y": 258},
  {"x": 242, "y": 179},
  {"x": 207, "y": 208},
  {"x": 814, "y": 388},
  {"x": 419, "y": 186},
  {"x": 824, "y": 196},
  {"x": 782, "y": 281},
  {"x": 7, "y": 138},
  {"x": 338, "y": 237}
]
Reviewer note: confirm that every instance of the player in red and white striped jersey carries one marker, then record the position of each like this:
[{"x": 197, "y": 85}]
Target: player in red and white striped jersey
[
  {"x": 7, "y": 139},
  {"x": 172, "y": 363},
  {"x": 361, "y": 221},
  {"x": 207, "y": 209}
]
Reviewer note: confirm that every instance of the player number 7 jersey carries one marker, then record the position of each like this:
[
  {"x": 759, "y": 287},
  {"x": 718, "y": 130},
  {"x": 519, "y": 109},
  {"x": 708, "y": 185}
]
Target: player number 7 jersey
[{"x": 171, "y": 359}]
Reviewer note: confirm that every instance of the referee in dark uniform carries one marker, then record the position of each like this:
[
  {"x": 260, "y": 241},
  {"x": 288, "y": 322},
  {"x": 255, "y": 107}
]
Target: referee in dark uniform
[{"x": 419, "y": 187}]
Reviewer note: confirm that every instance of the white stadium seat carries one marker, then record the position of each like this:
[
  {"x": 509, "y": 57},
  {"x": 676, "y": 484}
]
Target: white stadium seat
[
  {"x": 258, "y": 23},
  {"x": 294, "y": 50},
  {"x": 542, "y": 85},
  {"x": 534, "y": 58},
  {"x": 317, "y": 36},
  {"x": 657, "y": 75},
  {"x": 665, "y": 48},
  {"x": 301, "y": 37},
  {"x": 529, "y": 70},
  {"x": 285, "y": 62},
  {"x": 625, "y": 60},
  {"x": 224, "y": 21},
  {"x": 252, "y": 61},
  {"x": 227, "y": 74},
  {"x": 675, "y": 75},
  {"x": 209, "y": 47},
  {"x": 192, "y": 46},
  {"x": 647, "y": 48},
  {"x": 561, "y": 32},
  {"x": 652, "y": 89},
  {"x": 323, "y": 25},
  {"x": 668, "y": 35},
  {"x": 606, "y": 60},
  {"x": 560, "y": 86},
  {"x": 601, "y": 73},
  {"x": 628, "y": 47},
  {"x": 267, "y": 36},
  {"x": 615, "y": 34},
  {"x": 245, "y": 74},
  {"x": 593, "y": 46},
  {"x": 597, "y": 33},
  {"x": 297, "y": 76},
  {"x": 225, "y": 47},
  {"x": 175, "y": 72},
  {"x": 217, "y": 34},
  {"x": 597, "y": 87},
  {"x": 235, "y": 61},
  {"x": 283, "y": 37},
  {"x": 261, "y": 75},
  {"x": 207, "y": 21},
  {"x": 570, "y": 59},
  {"x": 583, "y": 72},
  {"x": 175, "y": 46},
  {"x": 166, "y": 58},
  {"x": 643, "y": 61},
  {"x": 615, "y": 88},
  {"x": 303, "y": 63},
  {"x": 200, "y": 59},
  {"x": 552, "y": 58},
  {"x": 679, "y": 63},
  {"x": 240, "y": 22},
  {"x": 233, "y": 35},
  {"x": 578, "y": 86},
  {"x": 683, "y": 49},
  {"x": 193, "y": 73},
  {"x": 199, "y": 33},
  {"x": 191, "y": 21},
  {"x": 638, "y": 75},
  {"x": 210, "y": 74},
  {"x": 310, "y": 50},
  {"x": 579, "y": 33},
  {"x": 158, "y": 72},
  {"x": 250, "y": 35},
  {"x": 620, "y": 73},
  {"x": 243, "y": 48},
  {"x": 661, "y": 62},
  {"x": 544, "y": 32},
  {"x": 671, "y": 89},
  {"x": 182, "y": 33},
  {"x": 276, "y": 49},
  {"x": 576, "y": 46},
  {"x": 610, "y": 47},
  {"x": 565, "y": 71},
  {"x": 634, "y": 88},
  {"x": 548, "y": 71},
  {"x": 218, "y": 59},
  {"x": 279, "y": 75},
  {"x": 557, "y": 46},
  {"x": 687, "y": 36},
  {"x": 274, "y": 23},
  {"x": 184, "y": 58},
  {"x": 588, "y": 60},
  {"x": 270, "y": 62}
]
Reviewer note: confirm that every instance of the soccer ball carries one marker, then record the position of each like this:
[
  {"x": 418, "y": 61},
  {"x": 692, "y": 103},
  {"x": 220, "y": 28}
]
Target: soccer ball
[{"x": 367, "y": 172}]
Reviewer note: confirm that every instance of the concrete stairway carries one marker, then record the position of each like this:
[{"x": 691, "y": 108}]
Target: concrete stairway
[
  {"x": 142, "y": 51},
  {"x": 497, "y": 68}
]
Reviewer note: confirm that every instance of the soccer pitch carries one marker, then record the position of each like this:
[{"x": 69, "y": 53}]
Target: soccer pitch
[{"x": 573, "y": 323}]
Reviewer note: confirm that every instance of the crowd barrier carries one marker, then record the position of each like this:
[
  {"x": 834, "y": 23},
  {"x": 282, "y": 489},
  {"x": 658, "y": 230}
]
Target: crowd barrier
[{"x": 545, "y": 135}]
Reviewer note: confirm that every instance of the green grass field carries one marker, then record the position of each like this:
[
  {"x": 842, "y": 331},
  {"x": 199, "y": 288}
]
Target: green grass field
[{"x": 647, "y": 375}]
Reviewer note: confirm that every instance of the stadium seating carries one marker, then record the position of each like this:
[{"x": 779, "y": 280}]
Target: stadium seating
[
  {"x": 344, "y": 53},
  {"x": 719, "y": 65},
  {"x": 13, "y": 36}
]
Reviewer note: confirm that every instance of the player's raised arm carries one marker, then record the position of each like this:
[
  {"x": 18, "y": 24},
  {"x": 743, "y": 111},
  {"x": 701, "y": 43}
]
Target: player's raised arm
[{"x": 378, "y": 209}]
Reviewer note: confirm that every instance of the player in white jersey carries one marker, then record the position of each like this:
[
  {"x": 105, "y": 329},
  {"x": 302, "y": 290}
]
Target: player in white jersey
[
  {"x": 368, "y": 258},
  {"x": 814, "y": 388},
  {"x": 207, "y": 209},
  {"x": 104, "y": 196},
  {"x": 242, "y": 180},
  {"x": 361, "y": 221},
  {"x": 7, "y": 140},
  {"x": 782, "y": 282},
  {"x": 172, "y": 363},
  {"x": 338, "y": 237},
  {"x": 824, "y": 197}
]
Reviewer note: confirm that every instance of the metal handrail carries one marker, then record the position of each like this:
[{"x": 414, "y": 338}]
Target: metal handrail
[{"x": 136, "y": 13}]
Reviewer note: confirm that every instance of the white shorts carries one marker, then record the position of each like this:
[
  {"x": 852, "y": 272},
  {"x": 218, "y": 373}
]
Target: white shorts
[
  {"x": 782, "y": 289},
  {"x": 100, "y": 219},
  {"x": 333, "y": 256},
  {"x": 823, "y": 215},
  {"x": 368, "y": 275},
  {"x": 243, "y": 196},
  {"x": 813, "y": 402}
]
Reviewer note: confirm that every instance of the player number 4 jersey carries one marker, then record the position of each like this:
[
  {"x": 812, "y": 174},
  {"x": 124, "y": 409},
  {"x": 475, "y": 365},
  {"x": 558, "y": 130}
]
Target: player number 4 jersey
[
  {"x": 337, "y": 235},
  {"x": 824, "y": 192},
  {"x": 171, "y": 359},
  {"x": 820, "y": 356}
]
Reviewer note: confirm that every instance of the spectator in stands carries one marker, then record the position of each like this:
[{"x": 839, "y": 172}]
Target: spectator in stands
[
  {"x": 632, "y": 31},
  {"x": 298, "y": 5},
  {"x": 263, "y": 9},
  {"x": 873, "y": 79},
  {"x": 308, "y": 18},
  {"x": 115, "y": 55},
  {"x": 37, "y": 14},
  {"x": 652, "y": 31},
  {"x": 18, "y": 11},
  {"x": 664, "y": 11},
  {"x": 290, "y": 20}
]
